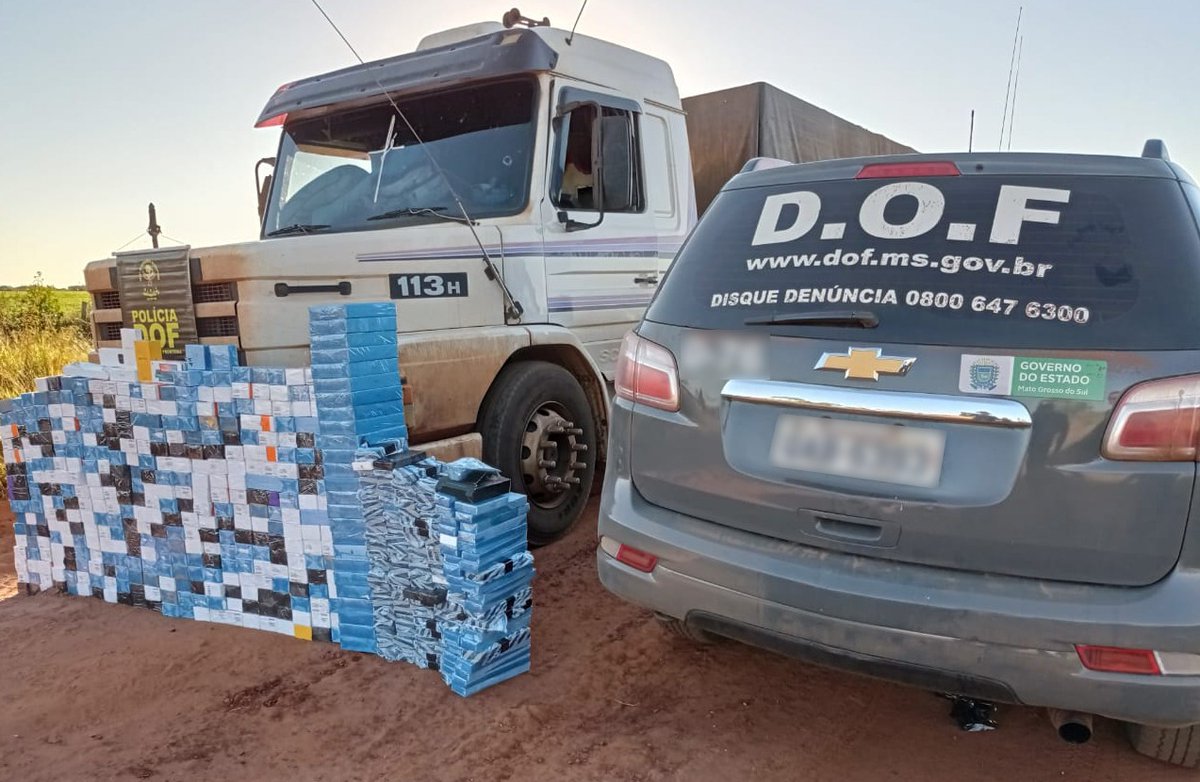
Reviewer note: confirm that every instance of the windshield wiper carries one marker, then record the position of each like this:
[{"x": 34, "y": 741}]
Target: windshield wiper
[
  {"x": 297, "y": 228},
  {"x": 417, "y": 211},
  {"x": 862, "y": 319}
]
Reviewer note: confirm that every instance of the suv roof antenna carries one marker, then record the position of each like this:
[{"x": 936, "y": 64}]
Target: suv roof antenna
[
  {"x": 571, "y": 37},
  {"x": 1155, "y": 148},
  {"x": 512, "y": 308}
]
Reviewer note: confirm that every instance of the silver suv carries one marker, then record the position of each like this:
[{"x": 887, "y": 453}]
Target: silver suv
[{"x": 933, "y": 419}]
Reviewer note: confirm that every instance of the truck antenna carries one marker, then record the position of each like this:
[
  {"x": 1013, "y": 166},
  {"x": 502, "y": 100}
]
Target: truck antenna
[
  {"x": 578, "y": 16},
  {"x": 512, "y": 308}
]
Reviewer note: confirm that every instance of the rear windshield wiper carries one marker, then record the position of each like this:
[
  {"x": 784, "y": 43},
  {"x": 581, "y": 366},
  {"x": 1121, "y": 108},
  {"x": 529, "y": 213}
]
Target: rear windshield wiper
[
  {"x": 862, "y": 319},
  {"x": 417, "y": 211},
  {"x": 297, "y": 228}
]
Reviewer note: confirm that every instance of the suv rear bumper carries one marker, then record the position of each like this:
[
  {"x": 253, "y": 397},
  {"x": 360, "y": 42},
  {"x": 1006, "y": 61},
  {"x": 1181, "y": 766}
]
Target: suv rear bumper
[{"x": 999, "y": 638}]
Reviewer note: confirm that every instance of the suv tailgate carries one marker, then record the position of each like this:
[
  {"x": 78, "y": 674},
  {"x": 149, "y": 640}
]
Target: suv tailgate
[{"x": 1029, "y": 362}]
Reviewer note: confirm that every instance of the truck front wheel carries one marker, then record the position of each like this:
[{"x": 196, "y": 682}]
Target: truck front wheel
[{"x": 539, "y": 430}]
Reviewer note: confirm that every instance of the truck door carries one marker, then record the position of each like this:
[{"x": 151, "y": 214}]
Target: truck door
[
  {"x": 601, "y": 244},
  {"x": 667, "y": 169}
]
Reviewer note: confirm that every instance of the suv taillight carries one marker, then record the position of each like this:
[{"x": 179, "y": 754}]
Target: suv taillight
[
  {"x": 646, "y": 374},
  {"x": 1156, "y": 421}
]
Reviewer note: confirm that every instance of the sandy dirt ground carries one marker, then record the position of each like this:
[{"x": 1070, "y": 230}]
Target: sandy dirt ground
[{"x": 96, "y": 691}]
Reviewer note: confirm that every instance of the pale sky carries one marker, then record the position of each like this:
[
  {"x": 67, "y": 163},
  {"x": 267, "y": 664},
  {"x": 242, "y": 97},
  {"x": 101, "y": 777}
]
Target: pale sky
[{"x": 109, "y": 105}]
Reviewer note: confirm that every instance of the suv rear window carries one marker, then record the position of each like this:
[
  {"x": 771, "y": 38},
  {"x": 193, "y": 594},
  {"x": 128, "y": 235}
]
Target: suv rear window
[{"x": 974, "y": 260}]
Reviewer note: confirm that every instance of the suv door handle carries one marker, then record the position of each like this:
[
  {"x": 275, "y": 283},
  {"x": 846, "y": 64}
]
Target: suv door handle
[{"x": 647, "y": 280}]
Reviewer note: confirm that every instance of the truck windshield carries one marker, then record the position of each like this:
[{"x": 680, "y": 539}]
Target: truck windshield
[{"x": 362, "y": 168}]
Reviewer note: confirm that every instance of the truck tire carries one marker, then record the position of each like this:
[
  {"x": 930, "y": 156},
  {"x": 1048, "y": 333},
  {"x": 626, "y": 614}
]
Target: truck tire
[
  {"x": 1177, "y": 746},
  {"x": 539, "y": 430}
]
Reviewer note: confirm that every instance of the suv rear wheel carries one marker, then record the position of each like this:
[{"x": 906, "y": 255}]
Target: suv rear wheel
[
  {"x": 1177, "y": 746},
  {"x": 538, "y": 429}
]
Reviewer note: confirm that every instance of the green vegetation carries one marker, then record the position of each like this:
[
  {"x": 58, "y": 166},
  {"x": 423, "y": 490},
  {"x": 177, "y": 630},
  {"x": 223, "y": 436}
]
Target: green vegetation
[
  {"x": 69, "y": 301},
  {"x": 41, "y": 330}
]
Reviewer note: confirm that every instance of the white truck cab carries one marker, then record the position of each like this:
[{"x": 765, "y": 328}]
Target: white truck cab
[
  {"x": 509, "y": 117},
  {"x": 579, "y": 219},
  {"x": 517, "y": 191}
]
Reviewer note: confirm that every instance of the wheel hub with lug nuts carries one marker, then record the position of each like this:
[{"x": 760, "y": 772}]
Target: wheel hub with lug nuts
[{"x": 552, "y": 453}]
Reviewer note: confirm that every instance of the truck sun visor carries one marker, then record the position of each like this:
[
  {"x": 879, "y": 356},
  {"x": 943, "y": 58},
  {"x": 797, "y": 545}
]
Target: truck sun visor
[{"x": 488, "y": 56}]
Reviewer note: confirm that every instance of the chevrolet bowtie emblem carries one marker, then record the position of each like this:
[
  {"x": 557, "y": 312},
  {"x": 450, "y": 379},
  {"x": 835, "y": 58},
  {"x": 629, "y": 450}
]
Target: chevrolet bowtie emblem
[{"x": 865, "y": 363}]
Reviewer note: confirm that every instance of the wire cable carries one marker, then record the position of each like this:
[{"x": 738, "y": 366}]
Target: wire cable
[
  {"x": 1012, "y": 115},
  {"x": 139, "y": 235},
  {"x": 1008, "y": 84},
  {"x": 513, "y": 308},
  {"x": 337, "y": 30}
]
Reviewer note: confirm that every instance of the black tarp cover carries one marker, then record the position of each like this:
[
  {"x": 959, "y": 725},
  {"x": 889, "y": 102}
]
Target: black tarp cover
[{"x": 728, "y": 127}]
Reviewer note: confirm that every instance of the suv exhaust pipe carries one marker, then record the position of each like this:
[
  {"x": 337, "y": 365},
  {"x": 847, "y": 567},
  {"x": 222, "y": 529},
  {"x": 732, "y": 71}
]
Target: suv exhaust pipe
[{"x": 1072, "y": 727}]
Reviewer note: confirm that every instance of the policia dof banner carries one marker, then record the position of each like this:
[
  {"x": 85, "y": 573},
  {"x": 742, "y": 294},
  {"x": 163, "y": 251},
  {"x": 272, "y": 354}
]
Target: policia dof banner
[{"x": 156, "y": 297}]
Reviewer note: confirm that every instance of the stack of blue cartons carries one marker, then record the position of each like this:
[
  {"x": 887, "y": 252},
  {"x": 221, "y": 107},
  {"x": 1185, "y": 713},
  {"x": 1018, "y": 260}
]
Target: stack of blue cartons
[
  {"x": 243, "y": 538},
  {"x": 356, "y": 384},
  {"x": 278, "y": 499},
  {"x": 194, "y": 488},
  {"x": 488, "y": 570},
  {"x": 44, "y": 456}
]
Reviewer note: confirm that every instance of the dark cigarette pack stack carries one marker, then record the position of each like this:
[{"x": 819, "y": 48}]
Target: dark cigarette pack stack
[{"x": 398, "y": 492}]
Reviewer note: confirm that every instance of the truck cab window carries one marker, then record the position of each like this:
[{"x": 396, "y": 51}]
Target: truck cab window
[
  {"x": 575, "y": 174},
  {"x": 363, "y": 168}
]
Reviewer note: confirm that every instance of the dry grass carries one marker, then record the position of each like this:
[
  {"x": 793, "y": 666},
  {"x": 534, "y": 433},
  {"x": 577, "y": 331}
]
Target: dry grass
[
  {"x": 38, "y": 337},
  {"x": 25, "y": 355}
]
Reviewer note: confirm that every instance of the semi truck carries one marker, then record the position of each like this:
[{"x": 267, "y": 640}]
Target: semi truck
[{"x": 518, "y": 191}]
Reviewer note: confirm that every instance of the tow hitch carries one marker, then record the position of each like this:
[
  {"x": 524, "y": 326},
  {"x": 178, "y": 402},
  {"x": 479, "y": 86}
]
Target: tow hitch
[{"x": 972, "y": 715}]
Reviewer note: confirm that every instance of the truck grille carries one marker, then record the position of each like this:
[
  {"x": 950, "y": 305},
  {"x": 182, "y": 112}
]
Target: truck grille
[
  {"x": 108, "y": 332},
  {"x": 108, "y": 300},
  {"x": 202, "y": 293},
  {"x": 205, "y": 327},
  {"x": 209, "y": 292},
  {"x": 224, "y": 326}
]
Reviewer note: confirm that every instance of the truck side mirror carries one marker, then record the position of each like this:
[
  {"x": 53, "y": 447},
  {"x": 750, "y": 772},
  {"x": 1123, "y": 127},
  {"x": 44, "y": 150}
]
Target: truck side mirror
[{"x": 263, "y": 186}]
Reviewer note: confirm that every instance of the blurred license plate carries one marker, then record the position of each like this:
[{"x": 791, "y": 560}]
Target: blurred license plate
[{"x": 875, "y": 452}]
